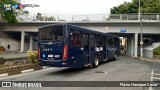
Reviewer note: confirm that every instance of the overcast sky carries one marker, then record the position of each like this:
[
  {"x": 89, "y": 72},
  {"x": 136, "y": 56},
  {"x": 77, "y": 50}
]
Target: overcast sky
[{"x": 71, "y": 7}]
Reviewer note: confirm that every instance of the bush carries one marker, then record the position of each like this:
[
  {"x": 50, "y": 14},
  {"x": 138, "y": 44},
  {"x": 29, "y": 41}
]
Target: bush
[
  {"x": 156, "y": 51},
  {"x": 2, "y": 49},
  {"x": 32, "y": 56}
]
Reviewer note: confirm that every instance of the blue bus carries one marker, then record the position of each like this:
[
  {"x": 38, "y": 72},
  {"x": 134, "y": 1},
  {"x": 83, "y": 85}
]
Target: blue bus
[{"x": 66, "y": 45}]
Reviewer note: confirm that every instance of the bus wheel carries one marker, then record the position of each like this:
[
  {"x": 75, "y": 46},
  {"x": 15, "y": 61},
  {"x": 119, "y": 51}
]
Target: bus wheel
[
  {"x": 96, "y": 62},
  {"x": 115, "y": 57}
]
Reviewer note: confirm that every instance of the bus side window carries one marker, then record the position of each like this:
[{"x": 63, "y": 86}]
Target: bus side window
[
  {"x": 85, "y": 39},
  {"x": 92, "y": 40},
  {"x": 96, "y": 40},
  {"x": 76, "y": 38},
  {"x": 110, "y": 41},
  {"x": 100, "y": 41}
]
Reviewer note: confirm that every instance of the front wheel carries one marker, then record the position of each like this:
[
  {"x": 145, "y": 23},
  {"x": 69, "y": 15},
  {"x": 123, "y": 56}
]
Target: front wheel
[{"x": 96, "y": 62}]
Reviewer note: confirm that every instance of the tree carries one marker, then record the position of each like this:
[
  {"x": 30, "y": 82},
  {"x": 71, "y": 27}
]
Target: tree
[
  {"x": 9, "y": 14},
  {"x": 147, "y": 6}
]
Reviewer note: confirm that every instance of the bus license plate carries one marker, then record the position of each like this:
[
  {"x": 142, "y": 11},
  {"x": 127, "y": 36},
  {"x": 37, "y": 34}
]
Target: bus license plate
[{"x": 50, "y": 55}]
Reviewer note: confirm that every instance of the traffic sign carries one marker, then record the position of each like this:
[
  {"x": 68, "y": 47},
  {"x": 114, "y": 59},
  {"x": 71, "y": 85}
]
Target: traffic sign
[{"x": 123, "y": 30}]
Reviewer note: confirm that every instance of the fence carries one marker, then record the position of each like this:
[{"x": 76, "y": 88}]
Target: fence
[{"x": 91, "y": 17}]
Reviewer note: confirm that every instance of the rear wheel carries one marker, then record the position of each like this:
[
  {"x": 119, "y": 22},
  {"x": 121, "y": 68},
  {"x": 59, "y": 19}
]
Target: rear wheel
[
  {"x": 115, "y": 57},
  {"x": 96, "y": 62}
]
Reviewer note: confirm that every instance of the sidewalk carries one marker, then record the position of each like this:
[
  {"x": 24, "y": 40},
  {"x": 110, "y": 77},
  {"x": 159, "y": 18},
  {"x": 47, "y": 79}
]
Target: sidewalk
[
  {"x": 144, "y": 58},
  {"x": 8, "y": 55},
  {"x": 149, "y": 59}
]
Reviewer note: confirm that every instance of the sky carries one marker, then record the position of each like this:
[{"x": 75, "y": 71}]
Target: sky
[{"x": 73, "y": 7}]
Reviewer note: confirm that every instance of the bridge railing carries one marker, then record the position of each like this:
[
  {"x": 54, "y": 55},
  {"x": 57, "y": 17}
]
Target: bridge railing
[{"x": 75, "y": 18}]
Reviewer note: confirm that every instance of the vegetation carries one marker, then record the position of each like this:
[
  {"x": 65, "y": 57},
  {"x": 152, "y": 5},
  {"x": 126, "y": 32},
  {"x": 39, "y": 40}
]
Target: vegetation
[
  {"x": 32, "y": 56},
  {"x": 147, "y": 6},
  {"x": 156, "y": 51},
  {"x": 2, "y": 49},
  {"x": 8, "y": 15}
]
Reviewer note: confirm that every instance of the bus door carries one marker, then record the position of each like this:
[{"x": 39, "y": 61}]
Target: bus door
[
  {"x": 86, "y": 43},
  {"x": 107, "y": 49},
  {"x": 79, "y": 47},
  {"x": 92, "y": 48},
  {"x": 110, "y": 47}
]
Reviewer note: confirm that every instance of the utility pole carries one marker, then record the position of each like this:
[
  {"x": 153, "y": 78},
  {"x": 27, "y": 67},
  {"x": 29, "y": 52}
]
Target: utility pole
[
  {"x": 141, "y": 42},
  {"x": 139, "y": 14}
]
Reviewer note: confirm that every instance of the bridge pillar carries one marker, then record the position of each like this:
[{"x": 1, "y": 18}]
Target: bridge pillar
[
  {"x": 132, "y": 46},
  {"x": 22, "y": 41},
  {"x": 31, "y": 43},
  {"x": 136, "y": 45},
  {"x": 129, "y": 46}
]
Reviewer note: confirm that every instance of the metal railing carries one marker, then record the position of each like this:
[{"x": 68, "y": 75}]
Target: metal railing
[{"x": 95, "y": 17}]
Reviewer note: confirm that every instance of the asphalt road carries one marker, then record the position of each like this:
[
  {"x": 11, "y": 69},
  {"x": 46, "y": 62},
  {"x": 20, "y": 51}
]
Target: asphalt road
[{"x": 124, "y": 69}]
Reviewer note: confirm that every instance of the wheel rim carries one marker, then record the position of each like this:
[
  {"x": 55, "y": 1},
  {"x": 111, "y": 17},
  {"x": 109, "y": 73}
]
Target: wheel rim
[
  {"x": 96, "y": 62},
  {"x": 115, "y": 56}
]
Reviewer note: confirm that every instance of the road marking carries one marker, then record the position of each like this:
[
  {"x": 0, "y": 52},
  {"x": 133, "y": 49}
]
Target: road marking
[
  {"x": 28, "y": 70},
  {"x": 155, "y": 78},
  {"x": 156, "y": 74},
  {"x": 152, "y": 78},
  {"x": 18, "y": 75}
]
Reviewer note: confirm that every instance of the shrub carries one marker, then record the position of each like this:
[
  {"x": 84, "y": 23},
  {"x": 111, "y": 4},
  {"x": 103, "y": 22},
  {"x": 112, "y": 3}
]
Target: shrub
[
  {"x": 2, "y": 48},
  {"x": 156, "y": 51},
  {"x": 32, "y": 55}
]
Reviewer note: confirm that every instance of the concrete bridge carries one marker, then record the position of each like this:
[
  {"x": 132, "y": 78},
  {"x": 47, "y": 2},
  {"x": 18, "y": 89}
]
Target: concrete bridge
[{"x": 21, "y": 36}]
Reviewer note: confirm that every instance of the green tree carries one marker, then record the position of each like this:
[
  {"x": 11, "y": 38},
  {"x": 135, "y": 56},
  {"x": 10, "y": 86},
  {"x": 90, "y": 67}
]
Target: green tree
[
  {"x": 8, "y": 15},
  {"x": 147, "y": 6}
]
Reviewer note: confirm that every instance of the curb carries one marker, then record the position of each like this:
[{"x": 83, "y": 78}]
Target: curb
[
  {"x": 4, "y": 75},
  {"x": 28, "y": 70},
  {"x": 44, "y": 67},
  {"x": 144, "y": 59},
  {"x": 23, "y": 71}
]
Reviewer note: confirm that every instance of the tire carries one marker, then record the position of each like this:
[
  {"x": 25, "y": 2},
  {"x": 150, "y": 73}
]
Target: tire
[
  {"x": 96, "y": 62},
  {"x": 115, "y": 57}
]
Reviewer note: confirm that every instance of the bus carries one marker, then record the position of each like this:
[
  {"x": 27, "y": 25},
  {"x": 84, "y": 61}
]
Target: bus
[{"x": 66, "y": 45}]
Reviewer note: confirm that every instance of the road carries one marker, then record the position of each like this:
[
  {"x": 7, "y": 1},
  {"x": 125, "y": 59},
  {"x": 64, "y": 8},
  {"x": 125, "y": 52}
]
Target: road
[{"x": 123, "y": 69}]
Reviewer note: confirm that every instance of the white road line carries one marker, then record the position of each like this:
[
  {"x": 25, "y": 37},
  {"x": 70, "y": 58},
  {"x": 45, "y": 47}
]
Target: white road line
[
  {"x": 156, "y": 74},
  {"x": 151, "y": 79},
  {"x": 155, "y": 78}
]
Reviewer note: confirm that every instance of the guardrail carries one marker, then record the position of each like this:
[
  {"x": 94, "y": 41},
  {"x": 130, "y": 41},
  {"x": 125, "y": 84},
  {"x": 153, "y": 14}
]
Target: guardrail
[{"x": 95, "y": 17}]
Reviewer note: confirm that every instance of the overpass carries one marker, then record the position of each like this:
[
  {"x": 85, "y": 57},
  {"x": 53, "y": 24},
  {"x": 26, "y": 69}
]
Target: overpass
[{"x": 21, "y": 35}]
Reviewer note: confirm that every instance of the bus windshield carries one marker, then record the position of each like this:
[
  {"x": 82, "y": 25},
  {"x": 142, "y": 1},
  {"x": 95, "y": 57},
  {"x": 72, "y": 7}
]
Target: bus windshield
[{"x": 51, "y": 33}]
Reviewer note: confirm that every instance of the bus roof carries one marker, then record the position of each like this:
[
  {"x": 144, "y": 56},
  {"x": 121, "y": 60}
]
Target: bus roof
[{"x": 81, "y": 28}]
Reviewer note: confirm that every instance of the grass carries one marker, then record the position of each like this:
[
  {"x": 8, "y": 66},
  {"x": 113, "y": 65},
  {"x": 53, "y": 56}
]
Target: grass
[{"x": 156, "y": 51}]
